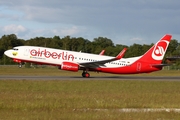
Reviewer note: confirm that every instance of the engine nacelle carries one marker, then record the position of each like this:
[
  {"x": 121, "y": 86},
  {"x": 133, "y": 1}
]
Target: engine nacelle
[
  {"x": 70, "y": 66},
  {"x": 17, "y": 60}
]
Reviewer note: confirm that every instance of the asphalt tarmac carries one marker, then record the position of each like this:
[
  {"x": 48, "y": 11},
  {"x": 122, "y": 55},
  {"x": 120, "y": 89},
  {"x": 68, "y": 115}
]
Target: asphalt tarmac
[{"x": 123, "y": 77}]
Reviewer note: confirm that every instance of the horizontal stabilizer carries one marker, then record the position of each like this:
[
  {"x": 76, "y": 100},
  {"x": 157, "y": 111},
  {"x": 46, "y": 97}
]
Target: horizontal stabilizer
[{"x": 160, "y": 65}]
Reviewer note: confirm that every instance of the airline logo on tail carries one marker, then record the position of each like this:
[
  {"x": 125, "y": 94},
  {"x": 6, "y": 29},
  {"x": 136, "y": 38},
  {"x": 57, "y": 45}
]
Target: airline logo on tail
[{"x": 159, "y": 50}]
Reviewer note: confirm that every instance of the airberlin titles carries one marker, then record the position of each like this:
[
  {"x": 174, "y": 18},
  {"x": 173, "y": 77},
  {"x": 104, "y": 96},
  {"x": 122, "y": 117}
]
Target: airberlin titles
[{"x": 49, "y": 54}]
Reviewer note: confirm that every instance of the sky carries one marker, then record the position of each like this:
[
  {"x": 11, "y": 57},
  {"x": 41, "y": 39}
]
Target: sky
[{"x": 123, "y": 21}]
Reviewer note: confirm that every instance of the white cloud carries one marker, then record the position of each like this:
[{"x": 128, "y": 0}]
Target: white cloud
[
  {"x": 136, "y": 40},
  {"x": 114, "y": 19},
  {"x": 69, "y": 31},
  {"x": 13, "y": 29},
  {"x": 73, "y": 31}
]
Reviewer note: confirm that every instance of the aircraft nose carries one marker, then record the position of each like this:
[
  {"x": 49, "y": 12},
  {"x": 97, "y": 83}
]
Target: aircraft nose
[{"x": 7, "y": 53}]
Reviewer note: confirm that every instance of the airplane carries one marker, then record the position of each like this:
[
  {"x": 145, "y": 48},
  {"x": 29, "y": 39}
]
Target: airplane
[{"x": 73, "y": 61}]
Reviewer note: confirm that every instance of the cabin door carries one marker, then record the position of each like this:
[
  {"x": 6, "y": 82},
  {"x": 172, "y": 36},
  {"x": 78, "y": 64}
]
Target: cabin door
[
  {"x": 26, "y": 51},
  {"x": 138, "y": 66}
]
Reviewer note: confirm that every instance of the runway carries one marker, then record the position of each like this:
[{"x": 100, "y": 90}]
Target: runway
[{"x": 144, "y": 78}]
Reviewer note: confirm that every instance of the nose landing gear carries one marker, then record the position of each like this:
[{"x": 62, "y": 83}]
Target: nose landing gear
[{"x": 20, "y": 65}]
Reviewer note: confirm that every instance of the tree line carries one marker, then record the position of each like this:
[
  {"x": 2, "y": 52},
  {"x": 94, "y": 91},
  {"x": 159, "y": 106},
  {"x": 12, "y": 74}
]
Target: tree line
[{"x": 80, "y": 44}]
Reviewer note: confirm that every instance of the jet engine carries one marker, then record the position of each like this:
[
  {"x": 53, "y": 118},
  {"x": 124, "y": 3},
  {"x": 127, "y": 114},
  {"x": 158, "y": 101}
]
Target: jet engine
[
  {"x": 70, "y": 66},
  {"x": 16, "y": 60}
]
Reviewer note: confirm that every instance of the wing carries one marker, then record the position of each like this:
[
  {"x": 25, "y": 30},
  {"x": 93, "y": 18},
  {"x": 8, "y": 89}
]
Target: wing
[{"x": 96, "y": 64}]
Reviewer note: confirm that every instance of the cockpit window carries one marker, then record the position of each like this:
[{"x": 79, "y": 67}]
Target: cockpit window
[{"x": 15, "y": 49}]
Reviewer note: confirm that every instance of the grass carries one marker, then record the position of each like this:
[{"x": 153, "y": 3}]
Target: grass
[
  {"x": 81, "y": 99},
  {"x": 72, "y": 99}
]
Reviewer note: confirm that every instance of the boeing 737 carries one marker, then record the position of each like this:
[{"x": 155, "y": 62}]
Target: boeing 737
[{"x": 74, "y": 61}]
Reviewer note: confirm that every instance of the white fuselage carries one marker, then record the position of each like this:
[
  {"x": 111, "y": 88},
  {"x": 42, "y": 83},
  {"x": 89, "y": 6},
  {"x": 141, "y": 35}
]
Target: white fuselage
[{"x": 57, "y": 56}]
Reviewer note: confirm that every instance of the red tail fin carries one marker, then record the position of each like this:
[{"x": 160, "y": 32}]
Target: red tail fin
[{"x": 156, "y": 53}]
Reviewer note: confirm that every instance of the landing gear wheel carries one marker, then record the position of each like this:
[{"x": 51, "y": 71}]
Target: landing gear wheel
[
  {"x": 85, "y": 74},
  {"x": 20, "y": 65}
]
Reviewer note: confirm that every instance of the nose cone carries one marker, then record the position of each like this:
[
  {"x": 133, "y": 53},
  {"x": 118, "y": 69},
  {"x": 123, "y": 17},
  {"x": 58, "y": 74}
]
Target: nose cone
[{"x": 8, "y": 53}]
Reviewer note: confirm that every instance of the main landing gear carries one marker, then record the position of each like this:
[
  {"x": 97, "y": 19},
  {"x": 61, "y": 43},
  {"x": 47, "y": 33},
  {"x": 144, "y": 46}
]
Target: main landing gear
[{"x": 85, "y": 74}]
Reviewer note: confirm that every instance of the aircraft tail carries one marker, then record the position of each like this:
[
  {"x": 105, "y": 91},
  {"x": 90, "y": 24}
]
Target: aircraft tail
[{"x": 156, "y": 53}]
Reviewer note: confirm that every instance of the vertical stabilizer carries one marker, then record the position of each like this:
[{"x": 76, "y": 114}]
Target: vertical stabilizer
[{"x": 156, "y": 53}]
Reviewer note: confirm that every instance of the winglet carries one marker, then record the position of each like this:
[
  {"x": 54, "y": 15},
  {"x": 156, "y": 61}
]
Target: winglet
[
  {"x": 121, "y": 54},
  {"x": 102, "y": 52}
]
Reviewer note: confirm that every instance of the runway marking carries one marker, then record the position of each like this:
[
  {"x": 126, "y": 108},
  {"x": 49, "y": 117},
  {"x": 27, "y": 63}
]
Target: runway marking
[{"x": 126, "y": 110}]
